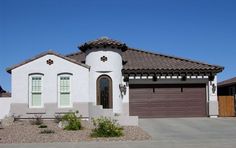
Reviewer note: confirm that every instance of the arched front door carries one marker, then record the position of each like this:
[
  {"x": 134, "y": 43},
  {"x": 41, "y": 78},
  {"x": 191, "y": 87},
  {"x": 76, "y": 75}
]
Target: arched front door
[{"x": 104, "y": 91}]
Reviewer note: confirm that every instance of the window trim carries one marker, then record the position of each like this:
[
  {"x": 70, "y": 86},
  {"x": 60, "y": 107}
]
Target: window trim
[
  {"x": 59, "y": 91},
  {"x": 30, "y": 90}
]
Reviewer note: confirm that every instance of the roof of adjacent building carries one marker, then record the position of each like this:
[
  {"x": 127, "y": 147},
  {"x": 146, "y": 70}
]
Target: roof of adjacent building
[
  {"x": 227, "y": 82},
  {"x": 135, "y": 59},
  {"x": 49, "y": 52},
  {"x": 4, "y": 93},
  {"x": 103, "y": 42},
  {"x": 2, "y": 90}
]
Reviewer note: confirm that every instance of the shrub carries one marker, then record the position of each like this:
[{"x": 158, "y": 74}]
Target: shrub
[
  {"x": 58, "y": 118},
  {"x": 43, "y": 126},
  {"x": 37, "y": 120},
  {"x": 106, "y": 127},
  {"x": 73, "y": 121},
  {"x": 16, "y": 117},
  {"x": 47, "y": 131}
]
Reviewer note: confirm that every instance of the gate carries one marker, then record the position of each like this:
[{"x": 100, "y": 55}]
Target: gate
[{"x": 226, "y": 106}]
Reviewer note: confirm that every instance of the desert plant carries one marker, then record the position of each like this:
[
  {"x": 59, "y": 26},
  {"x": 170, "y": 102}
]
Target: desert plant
[
  {"x": 47, "y": 131},
  {"x": 74, "y": 123},
  {"x": 42, "y": 126},
  {"x": 57, "y": 118},
  {"x": 16, "y": 117},
  {"x": 37, "y": 120},
  {"x": 106, "y": 127}
]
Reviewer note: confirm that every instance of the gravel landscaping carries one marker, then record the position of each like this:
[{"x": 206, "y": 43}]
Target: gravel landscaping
[{"x": 23, "y": 132}]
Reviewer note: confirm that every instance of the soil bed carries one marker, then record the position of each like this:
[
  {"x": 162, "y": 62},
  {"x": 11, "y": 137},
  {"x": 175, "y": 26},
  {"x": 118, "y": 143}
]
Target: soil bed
[{"x": 24, "y": 132}]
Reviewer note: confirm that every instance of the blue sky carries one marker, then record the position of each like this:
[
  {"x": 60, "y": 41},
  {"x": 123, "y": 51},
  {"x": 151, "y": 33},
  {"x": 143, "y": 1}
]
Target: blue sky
[{"x": 203, "y": 30}]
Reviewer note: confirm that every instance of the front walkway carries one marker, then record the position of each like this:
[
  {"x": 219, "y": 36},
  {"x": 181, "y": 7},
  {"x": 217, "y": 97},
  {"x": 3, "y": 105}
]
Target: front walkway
[{"x": 168, "y": 133}]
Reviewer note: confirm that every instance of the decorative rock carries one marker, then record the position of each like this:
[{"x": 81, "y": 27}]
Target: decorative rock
[
  {"x": 7, "y": 121},
  {"x": 62, "y": 124}
]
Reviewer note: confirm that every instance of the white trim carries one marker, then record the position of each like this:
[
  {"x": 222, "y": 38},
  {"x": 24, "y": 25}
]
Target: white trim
[
  {"x": 58, "y": 90},
  {"x": 137, "y": 77},
  {"x": 144, "y": 77},
  {"x": 30, "y": 90},
  {"x": 149, "y": 77}
]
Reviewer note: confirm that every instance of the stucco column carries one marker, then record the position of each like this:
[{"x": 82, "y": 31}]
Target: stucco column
[
  {"x": 125, "y": 99},
  {"x": 213, "y": 99}
]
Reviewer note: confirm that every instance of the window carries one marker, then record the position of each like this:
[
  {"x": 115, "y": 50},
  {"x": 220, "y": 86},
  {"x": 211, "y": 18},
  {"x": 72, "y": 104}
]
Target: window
[
  {"x": 64, "y": 91},
  {"x": 35, "y": 91}
]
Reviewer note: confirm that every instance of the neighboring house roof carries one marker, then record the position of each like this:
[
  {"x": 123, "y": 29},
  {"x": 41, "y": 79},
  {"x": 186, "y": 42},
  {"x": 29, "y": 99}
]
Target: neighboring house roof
[
  {"x": 2, "y": 90},
  {"x": 136, "y": 60},
  {"x": 6, "y": 94},
  {"x": 103, "y": 42},
  {"x": 50, "y": 52},
  {"x": 3, "y": 93},
  {"x": 228, "y": 82}
]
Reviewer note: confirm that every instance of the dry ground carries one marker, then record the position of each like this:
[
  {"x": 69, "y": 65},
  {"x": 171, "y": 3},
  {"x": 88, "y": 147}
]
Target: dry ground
[{"x": 24, "y": 132}]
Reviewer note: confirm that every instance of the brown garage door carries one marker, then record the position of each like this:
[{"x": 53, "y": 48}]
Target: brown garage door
[{"x": 149, "y": 101}]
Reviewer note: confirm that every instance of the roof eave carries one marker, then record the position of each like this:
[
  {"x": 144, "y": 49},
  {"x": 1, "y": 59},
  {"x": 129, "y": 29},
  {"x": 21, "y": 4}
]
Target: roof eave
[
  {"x": 50, "y": 52},
  {"x": 181, "y": 71}
]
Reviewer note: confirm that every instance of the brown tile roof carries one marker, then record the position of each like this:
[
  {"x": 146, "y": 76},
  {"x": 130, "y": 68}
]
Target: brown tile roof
[
  {"x": 50, "y": 52},
  {"x": 143, "y": 60},
  {"x": 231, "y": 81},
  {"x": 6, "y": 94},
  {"x": 3, "y": 93},
  {"x": 103, "y": 42}
]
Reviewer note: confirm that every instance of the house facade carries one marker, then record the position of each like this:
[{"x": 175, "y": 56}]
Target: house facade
[{"x": 108, "y": 78}]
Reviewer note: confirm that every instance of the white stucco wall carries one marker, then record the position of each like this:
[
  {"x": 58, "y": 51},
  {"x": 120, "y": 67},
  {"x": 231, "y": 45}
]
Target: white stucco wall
[
  {"x": 112, "y": 67},
  {"x": 213, "y": 98},
  {"x": 79, "y": 80},
  {"x": 5, "y": 103}
]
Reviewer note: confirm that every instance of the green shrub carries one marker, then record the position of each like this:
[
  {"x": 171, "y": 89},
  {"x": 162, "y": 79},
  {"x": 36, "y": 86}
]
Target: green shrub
[
  {"x": 47, "y": 131},
  {"x": 73, "y": 121},
  {"x": 106, "y": 127},
  {"x": 43, "y": 126}
]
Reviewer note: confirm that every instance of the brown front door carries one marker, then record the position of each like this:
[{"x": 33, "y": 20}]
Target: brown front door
[
  {"x": 104, "y": 91},
  {"x": 150, "y": 101}
]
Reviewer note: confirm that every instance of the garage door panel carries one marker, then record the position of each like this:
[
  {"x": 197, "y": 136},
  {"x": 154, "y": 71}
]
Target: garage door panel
[{"x": 168, "y": 101}]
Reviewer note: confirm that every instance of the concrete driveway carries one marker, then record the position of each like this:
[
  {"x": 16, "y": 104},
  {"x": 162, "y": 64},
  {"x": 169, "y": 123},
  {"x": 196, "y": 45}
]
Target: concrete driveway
[
  {"x": 196, "y": 129},
  {"x": 168, "y": 133}
]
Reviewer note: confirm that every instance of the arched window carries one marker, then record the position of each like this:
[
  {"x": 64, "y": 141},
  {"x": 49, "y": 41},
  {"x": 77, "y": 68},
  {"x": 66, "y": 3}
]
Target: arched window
[
  {"x": 35, "y": 90},
  {"x": 64, "y": 90}
]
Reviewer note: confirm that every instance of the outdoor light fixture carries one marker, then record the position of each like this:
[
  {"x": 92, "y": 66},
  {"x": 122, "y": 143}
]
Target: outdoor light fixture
[
  {"x": 213, "y": 88},
  {"x": 122, "y": 88}
]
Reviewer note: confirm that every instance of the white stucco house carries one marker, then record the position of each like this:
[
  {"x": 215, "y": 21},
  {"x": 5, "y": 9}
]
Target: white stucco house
[{"x": 108, "y": 78}]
